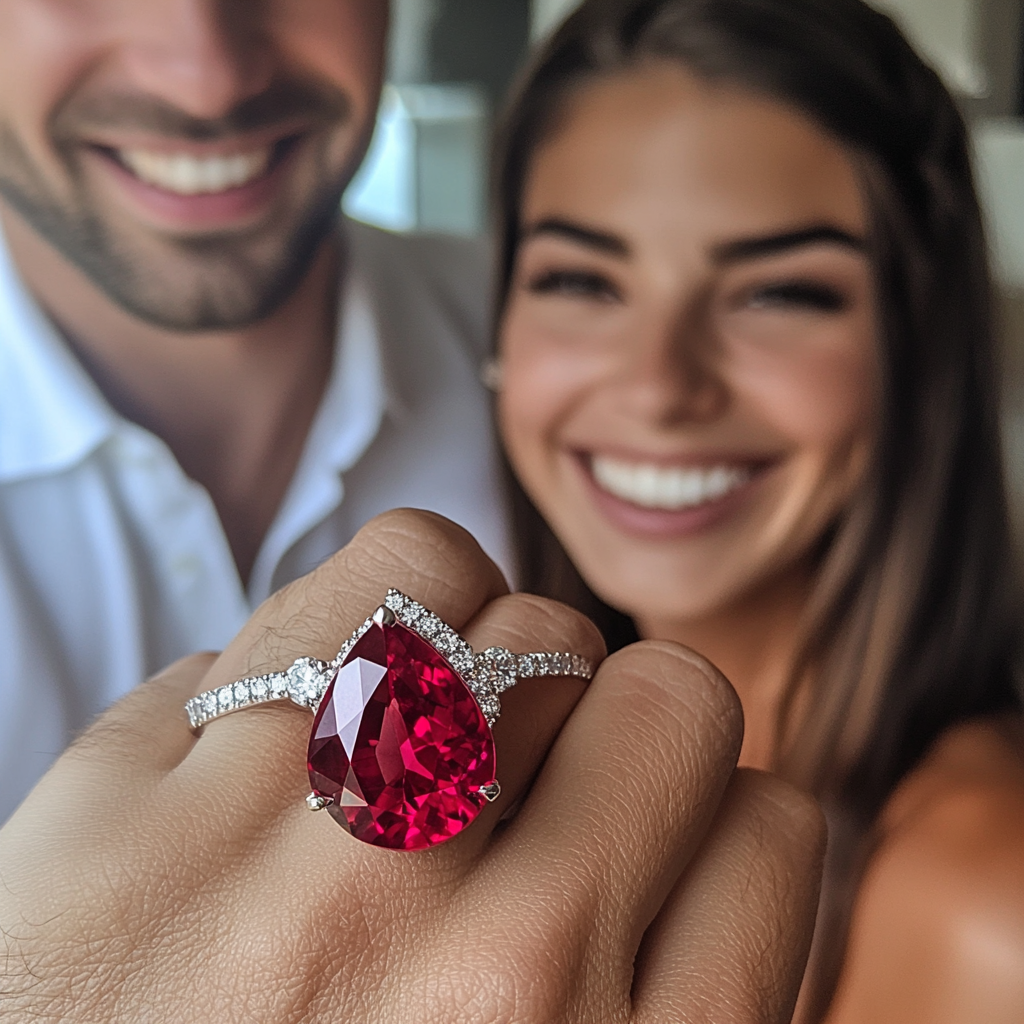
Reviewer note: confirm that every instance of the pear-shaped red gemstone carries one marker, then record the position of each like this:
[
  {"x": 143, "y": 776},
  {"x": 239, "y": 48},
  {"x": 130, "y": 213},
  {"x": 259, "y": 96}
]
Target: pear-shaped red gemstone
[{"x": 399, "y": 744}]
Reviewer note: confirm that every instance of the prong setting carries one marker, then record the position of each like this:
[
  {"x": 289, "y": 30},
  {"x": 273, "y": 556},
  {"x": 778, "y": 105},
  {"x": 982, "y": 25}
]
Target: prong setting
[
  {"x": 316, "y": 802},
  {"x": 490, "y": 792},
  {"x": 384, "y": 616}
]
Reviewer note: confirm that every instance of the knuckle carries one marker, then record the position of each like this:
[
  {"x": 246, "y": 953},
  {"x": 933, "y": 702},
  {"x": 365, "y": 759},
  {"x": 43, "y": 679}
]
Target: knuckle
[
  {"x": 429, "y": 545},
  {"x": 533, "y": 621},
  {"x": 681, "y": 691}
]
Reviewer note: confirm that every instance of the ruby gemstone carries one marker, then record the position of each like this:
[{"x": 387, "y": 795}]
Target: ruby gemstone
[{"x": 399, "y": 744}]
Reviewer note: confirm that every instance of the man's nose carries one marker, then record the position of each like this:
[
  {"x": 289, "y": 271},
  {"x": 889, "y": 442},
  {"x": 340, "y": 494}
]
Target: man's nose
[{"x": 202, "y": 57}]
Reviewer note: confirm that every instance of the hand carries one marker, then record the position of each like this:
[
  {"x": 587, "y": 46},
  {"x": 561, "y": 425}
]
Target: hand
[{"x": 154, "y": 876}]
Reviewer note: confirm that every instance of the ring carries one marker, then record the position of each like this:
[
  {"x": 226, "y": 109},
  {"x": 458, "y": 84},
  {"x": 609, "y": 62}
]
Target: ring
[{"x": 401, "y": 752}]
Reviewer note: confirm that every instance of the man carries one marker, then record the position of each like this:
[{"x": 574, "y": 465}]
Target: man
[{"x": 206, "y": 383}]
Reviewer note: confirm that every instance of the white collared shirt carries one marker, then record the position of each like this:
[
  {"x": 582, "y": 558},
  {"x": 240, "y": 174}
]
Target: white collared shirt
[{"x": 113, "y": 563}]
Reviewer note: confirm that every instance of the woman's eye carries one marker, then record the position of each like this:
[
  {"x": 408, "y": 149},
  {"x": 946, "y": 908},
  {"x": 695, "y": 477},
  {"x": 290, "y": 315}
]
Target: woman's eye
[
  {"x": 578, "y": 284},
  {"x": 798, "y": 294}
]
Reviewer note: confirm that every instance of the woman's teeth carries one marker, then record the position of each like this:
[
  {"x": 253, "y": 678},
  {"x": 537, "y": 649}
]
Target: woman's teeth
[
  {"x": 666, "y": 487},
  {"x": 193, "y": 175}
]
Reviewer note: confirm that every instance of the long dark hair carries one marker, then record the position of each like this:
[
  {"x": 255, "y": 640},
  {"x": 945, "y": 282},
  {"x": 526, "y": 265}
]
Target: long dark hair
[{"x": 911, "y": 624}]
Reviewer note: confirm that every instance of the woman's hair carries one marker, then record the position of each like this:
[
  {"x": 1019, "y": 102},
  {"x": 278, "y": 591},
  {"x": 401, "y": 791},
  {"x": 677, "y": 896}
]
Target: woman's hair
[{"x": 911, "y": 625}]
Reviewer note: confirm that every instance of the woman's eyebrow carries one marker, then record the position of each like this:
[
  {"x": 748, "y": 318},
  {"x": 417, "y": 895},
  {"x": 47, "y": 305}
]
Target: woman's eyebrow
[
  {"x": 771, "y": 245},
  {"x": 592, "y": 238}
]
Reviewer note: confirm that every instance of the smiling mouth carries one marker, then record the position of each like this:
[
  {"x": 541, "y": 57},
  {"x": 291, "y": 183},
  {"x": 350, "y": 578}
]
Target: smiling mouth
[
  {"x": 667, "y": 488},
  {"x": 190, "y": 174}
]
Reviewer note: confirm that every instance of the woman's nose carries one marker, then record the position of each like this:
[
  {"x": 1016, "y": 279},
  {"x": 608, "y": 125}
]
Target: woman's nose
[{"x": 671, "y": 375}]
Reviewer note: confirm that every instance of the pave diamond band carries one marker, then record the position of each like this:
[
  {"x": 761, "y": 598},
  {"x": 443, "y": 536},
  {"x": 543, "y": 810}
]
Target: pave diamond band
[{"x": 487, "y": 674}]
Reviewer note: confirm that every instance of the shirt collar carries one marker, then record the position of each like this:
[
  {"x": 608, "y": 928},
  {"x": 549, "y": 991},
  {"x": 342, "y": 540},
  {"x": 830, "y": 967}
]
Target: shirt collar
[
  {"x": 357, "y": 397},
  {"x": 360, "y": 390},
  {"x": 52, "y": 415}
]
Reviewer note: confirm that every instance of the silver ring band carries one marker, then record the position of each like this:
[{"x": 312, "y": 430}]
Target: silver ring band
[{"x": 486, "y": 673}]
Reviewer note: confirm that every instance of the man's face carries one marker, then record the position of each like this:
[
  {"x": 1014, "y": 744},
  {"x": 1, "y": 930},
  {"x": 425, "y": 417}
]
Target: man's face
[{"x": 187, "y": 155}]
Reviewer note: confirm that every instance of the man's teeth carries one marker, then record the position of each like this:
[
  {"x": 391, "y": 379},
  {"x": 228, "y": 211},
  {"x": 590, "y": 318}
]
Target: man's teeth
[
  {"x": 666, "y": 487},
  {"x": 193, "y": 175}
]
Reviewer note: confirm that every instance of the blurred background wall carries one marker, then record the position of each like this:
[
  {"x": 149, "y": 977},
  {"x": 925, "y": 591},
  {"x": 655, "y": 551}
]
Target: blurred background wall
[
  {"x": 451, "y": 61},
  {"x": 450, "y": 64}
]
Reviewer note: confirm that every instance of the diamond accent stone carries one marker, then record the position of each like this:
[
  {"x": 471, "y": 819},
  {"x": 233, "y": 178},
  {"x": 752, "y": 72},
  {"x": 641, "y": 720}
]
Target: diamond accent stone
[
  {"x": 407, "y": 610},
  {"x": 429, "y": 626},
  {"x": 462, "y": 659},
  {"x": 352, "y": 641},
  {"x": 399, "y": 745},
  {"x": 496, "y": 669},
  {"x": 307, "y": 681},
  {"x": 490, "y": 706}
]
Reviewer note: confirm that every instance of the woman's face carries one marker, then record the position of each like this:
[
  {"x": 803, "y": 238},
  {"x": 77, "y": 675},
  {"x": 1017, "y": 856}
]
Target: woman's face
[{"x": 688, "y": 348}]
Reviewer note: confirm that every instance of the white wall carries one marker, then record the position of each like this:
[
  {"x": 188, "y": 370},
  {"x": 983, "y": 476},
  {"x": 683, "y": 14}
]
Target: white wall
[
  {"x": 974, "y": 44},
  {"x": 546, "y": 14},
  {"x": 948, "y": 34}
]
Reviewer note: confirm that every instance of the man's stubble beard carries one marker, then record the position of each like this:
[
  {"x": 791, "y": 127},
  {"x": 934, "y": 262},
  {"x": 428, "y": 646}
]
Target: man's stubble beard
[{"x": 218, "y": 282}]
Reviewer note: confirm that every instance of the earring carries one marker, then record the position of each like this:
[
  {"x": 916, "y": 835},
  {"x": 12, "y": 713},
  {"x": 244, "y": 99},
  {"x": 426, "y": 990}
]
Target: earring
[{"x": 490, "y": 374}]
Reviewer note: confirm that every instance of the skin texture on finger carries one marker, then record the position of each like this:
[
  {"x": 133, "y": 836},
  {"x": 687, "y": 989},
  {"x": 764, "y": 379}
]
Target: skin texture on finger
[
  {"x": 97, "y": 817},
  {"x": 730, "y": 943},
  {"x": 112, "y": 764},
  {"x": 621, "y": 804},
  {"x": 534, "y": 710},
  {"x": 145, "y": 730}
]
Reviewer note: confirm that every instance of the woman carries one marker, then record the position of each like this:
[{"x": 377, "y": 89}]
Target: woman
[{"x": 747, "y": 386}]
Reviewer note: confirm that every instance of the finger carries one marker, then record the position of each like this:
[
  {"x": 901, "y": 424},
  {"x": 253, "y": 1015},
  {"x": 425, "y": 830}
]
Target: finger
[
  {"x": 147, "y": 730},
  {"x": 534, "y": 710},
  {"x": 731, "y": 941},
  {"x": 624, "y": 799},
  {"x": 115, "y": 762}
]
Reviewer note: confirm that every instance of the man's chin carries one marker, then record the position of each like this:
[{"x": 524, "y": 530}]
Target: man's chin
[
  {"x": 220, "y": 282},
  {"x": 231, "y": 293}
]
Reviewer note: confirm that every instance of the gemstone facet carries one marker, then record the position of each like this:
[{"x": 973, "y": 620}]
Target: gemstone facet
[{"x": 400, "y": 746}]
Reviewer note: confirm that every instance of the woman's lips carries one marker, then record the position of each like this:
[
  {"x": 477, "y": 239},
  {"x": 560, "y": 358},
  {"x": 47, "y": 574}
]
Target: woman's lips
[{"x": 663, "y": 499}]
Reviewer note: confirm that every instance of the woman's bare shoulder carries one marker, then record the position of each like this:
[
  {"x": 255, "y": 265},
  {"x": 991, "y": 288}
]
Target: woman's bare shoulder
[{"x": 938, "y": 929}]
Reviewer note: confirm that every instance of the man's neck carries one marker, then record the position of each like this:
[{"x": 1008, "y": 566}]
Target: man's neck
[{"x": 234, "y": 407}]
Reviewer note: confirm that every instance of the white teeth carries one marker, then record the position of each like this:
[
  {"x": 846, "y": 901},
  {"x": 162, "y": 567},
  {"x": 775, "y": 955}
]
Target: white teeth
[
  {"x": 192, "y": 175},
  {"x": 666, "y": 487}
]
